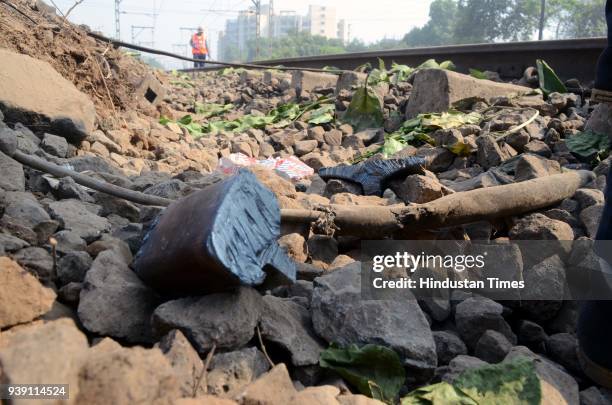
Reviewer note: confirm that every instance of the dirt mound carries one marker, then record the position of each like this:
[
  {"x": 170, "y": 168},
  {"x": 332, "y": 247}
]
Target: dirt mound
[{"x": 107, "y": 74}]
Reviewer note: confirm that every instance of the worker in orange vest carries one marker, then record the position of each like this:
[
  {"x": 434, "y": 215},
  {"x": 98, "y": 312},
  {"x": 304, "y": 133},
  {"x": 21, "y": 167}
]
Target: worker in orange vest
[{"x": 199, "y": 47}]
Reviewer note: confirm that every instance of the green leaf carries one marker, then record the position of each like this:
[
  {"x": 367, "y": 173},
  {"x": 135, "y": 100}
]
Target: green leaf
[
  {"x": 164, "y": 120},
  {"x": 461, "y": 149},
  {"x": 392, "y": 145},
  {"x": 400, "y": 73},
  {"x": 549, "y": 81},
  {"x": 185, "y": 120},
  {"x": 364, "y": 111},
  {"x": 478, "y": 74},
  {"x": 447, "y": 65},
  {"x": 377, "y": 76},
  {"x": 209, "y": 110},
  {"x": 376, "y": 371},
  {"x": 451, "y": 119},
  {"x": 322, "y": 115},
  {"x": 438, "y": 394},
  {"x": 381, "y": 65},
  {"x": 429, "y": 64},
  {"x": 511, "y": 383},
  {"x": 588, "y": 146}
]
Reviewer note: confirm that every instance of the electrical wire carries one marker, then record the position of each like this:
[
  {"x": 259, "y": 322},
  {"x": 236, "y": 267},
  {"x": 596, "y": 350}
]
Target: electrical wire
[{"x": 102, "y": 38}]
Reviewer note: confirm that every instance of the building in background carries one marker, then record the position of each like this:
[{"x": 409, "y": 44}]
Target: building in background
[
  {"x": 344, "y": 32},
  {"x": 321, "y": 20},
  {"x": 287, "y": 22},
  {"x": 240, "y": 31}
]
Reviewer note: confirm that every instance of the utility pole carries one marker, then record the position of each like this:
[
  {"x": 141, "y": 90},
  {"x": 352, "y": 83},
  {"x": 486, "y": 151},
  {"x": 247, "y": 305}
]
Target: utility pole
[
  {"x": 117, "y": 20},
  {"x": 270, "y": 26},
  {"x": 542, "y": 20},
  {"x": 257, "y": 4}
]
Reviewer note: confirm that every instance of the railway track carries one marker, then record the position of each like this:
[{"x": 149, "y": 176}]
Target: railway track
[{"x": 573, "y": 58}]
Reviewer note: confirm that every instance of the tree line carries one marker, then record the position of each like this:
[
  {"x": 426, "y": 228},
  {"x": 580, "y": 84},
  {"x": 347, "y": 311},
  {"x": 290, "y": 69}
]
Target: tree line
[{"x": 453, "y": 22}]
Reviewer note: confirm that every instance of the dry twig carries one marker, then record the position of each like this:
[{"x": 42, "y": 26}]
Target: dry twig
[
  {"x": 263, "y": 347},
  {"x": 204, "y": 373}
]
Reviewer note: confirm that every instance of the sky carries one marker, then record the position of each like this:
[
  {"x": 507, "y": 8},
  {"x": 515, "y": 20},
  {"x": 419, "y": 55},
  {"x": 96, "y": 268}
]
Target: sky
[{"x": 370, "y": 20}]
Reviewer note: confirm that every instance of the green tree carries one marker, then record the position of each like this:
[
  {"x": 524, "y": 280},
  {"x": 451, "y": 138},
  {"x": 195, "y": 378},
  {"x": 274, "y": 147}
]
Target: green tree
[
  {"x": 576, "y": 18},
  {"x": 494, "y": 20},
  {"x": 294, "y": 45},
  {"x": 439, "y": 30}
]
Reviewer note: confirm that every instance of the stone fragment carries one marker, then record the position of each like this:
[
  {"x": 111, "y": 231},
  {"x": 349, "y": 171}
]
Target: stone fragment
[
  {"x": 74, "y": 216},
  {"x": 437, "y": 90},
  {"x": 32, "y": 91},
  {"x": 303, "y": 147},
  {"x": 448, "y": 346},
  {"x": 489, "y": 153},
  {"x": 419, "y": 189},
  {"x": 295, "y": 244},
  {"x": 323, "y": 249},
  {"x": 563, "y": 348},
  {"x": 185, "y": 361},
  {"x": 8, "y": 140},
  {"x": 333, "y": 137},
  {"x": 118, "y": 375},
  {"x": 22, "y": 297},
  {"x": 289, "y": 325},
  {"x": 590, "y": 218},
  {"x": 540, "y": 227},
  {"x": 492, "y": 347},
  {"x": 460, "y": 364},
  {"x": 230, "y": 372},
  {"x": 114, "y": 302},
  {"x": 44, "y": 353},
  {"x": 476, "y": 315},
  {"x": 544, "y": 289},
  {"x": 587, "y": 197},
  {"x": 55, "y": 145},
  {"x": 225, "y": 319},
  {"x": 37, "y": 261},
  {"x": 538, "y": 148},
  {"x": 534, "y": 166},
  {"x": 73, "y": 266},
  {"x": 341, "y": 315},
  {"x": 272, "y": 388},
  {"x": 10, "y": 243},
  {"x": 308, "y": 81},
  {"x": 13, "y": 178},
  {"x": 68, "y": 188}
]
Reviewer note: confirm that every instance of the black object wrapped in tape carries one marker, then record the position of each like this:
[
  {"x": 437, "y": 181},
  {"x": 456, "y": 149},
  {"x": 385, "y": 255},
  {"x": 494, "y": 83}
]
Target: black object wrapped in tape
[{"x": 215, "y": 239}]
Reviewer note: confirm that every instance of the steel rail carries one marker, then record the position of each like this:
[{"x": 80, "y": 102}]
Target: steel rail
[{"x": 571, "y": 58}]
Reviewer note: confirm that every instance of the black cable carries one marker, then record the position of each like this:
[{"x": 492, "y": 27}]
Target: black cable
[
  {"x": 214, "y": 62},
  {"x": 19, "y": 11}
]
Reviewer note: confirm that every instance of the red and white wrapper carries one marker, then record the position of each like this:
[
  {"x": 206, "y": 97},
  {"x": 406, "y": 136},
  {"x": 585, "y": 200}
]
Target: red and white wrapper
[{"x": 290, "y": 167}]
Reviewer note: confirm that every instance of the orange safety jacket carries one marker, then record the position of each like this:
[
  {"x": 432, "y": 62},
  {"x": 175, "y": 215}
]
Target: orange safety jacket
[{"x": 198, "y": 44}]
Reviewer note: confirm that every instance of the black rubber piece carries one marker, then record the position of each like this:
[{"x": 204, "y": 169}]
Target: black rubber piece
[
  {"x": 215, "y": 239},
  {"x": 603, "y": 80},
  {"x": 374, "y": 175}
]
